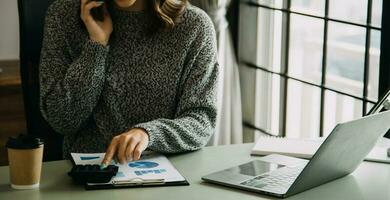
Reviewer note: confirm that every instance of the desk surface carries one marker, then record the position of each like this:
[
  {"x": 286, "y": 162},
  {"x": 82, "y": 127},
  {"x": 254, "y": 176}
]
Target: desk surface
[{"x": 369, "y": 181}]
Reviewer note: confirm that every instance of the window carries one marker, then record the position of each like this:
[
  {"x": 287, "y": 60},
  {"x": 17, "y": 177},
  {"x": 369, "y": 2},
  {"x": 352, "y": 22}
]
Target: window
[{"x": 306, "y": 65}]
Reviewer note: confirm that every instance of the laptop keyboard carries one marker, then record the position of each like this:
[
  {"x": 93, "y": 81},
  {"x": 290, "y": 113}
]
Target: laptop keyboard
[{"x": 277, "y": 181}]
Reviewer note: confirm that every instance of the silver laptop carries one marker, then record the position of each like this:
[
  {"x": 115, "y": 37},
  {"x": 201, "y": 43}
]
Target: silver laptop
[{"x": 339, "y": 155}]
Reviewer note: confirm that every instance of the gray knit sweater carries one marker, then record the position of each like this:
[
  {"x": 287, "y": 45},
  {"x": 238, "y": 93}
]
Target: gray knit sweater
[{"x": 164, "y": 83}]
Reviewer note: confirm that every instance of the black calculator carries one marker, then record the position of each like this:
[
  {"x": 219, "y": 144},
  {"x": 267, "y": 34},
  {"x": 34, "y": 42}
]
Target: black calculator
[{"x": 92, "y": 173}]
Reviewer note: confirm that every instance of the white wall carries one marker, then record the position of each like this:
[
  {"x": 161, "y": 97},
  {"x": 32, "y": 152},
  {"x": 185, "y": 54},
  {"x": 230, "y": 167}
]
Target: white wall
[{"x": 9, "y": 30}]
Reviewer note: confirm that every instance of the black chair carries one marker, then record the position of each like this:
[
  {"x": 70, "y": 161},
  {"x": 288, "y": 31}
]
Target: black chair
[{"x": 31, "y": 21}]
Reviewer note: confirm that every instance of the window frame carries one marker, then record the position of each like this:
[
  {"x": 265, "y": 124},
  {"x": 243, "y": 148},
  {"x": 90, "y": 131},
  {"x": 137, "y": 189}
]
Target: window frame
[{"x": 384, "y": 65}]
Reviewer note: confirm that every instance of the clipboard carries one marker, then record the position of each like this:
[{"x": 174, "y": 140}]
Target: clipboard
[{"x": 133, "y": 182}]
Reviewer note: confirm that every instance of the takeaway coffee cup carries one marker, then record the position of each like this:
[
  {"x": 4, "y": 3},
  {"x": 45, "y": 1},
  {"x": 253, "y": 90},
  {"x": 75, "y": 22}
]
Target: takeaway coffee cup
[{"x": 25, "y": 161}]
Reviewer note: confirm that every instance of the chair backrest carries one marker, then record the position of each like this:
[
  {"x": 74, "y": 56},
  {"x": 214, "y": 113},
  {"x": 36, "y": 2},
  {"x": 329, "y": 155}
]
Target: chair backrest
[{"x": 31, "y": 22}]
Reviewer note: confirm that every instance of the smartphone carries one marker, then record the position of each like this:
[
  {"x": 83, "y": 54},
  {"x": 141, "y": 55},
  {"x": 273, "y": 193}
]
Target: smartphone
[{"x": 98, "y": 13}]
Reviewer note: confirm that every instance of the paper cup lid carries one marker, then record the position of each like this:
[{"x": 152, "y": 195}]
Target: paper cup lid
[{"x": 24, "y": 142}]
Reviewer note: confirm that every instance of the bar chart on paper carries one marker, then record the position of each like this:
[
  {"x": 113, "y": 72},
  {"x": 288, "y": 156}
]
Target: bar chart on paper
[
  {"x": 143, "y": 172},
  {"x": 89, "y": 157}
]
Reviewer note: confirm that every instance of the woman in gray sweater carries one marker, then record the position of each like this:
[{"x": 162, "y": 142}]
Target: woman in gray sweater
[{"x": 143, "y": 77}]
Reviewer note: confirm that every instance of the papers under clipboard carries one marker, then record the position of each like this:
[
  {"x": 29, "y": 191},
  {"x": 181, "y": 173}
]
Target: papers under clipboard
[{"x": 152, "y": 169}]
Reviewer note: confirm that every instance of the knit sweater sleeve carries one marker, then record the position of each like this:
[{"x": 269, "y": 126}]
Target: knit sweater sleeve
[
  {"x": 196, "y": 112},
  {"x": 69, "y": 87}
]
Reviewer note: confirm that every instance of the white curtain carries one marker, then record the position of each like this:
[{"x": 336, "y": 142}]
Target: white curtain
[{"x": 229, "y": 121}]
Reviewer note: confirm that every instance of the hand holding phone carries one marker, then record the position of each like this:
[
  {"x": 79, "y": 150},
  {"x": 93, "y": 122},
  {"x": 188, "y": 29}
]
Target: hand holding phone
[
  {"x": 99, "y": 27},
  {"x": 98, "y": 13}
]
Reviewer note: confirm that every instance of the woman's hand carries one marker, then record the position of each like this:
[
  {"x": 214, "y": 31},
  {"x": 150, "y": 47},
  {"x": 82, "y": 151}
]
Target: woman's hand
[
  {"x": 127, "y": 147},
  {"x": 99, "y": 31}
]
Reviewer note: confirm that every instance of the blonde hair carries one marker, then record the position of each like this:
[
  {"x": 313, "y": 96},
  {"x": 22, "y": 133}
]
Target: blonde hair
[{"x": 166, "y": 13}]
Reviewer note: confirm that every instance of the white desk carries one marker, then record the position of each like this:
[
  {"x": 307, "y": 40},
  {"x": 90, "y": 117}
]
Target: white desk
[{"x": 370, "y": 181}]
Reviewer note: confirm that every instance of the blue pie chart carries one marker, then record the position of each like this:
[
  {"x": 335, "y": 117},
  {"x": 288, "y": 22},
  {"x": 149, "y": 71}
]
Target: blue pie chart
[{"x": 143, "y": 164}]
